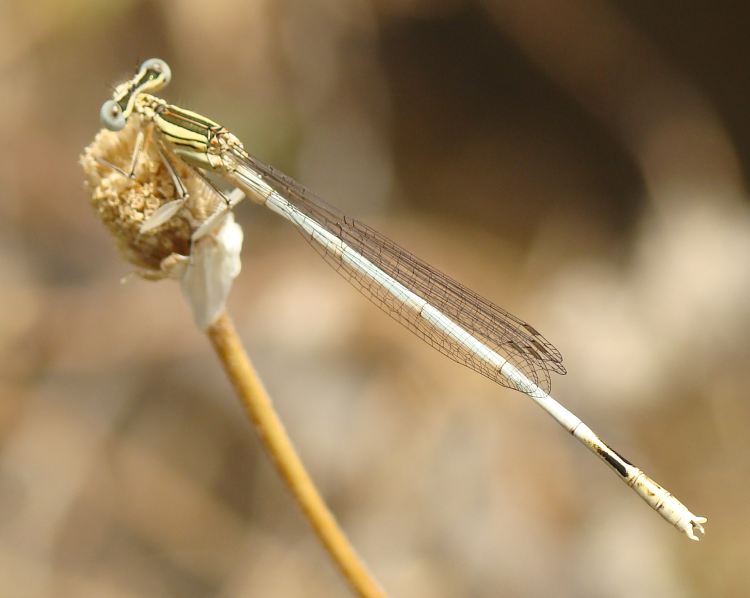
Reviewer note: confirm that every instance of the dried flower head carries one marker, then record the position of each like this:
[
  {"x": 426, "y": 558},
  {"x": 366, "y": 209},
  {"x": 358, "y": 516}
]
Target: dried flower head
[
  {"x": 124, "y": 204},
  {"x": 166, "y": 247}
]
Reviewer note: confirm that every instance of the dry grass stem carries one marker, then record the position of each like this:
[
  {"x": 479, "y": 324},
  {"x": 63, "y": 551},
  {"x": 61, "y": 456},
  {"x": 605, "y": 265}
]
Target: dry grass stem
[{"x": 258, "y": 405}]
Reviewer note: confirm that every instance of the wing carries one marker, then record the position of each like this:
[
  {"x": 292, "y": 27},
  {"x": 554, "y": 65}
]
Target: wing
[{"x": 515, "y": 340}]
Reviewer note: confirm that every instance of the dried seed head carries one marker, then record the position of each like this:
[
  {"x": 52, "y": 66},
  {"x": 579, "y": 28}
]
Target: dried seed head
[{"x": 123, "y": 204}]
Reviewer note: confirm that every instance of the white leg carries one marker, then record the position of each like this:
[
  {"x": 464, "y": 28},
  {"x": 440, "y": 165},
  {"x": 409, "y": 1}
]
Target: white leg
[
  {"x": 168, "y": 210},
  {"x": 130, "y": 173}
]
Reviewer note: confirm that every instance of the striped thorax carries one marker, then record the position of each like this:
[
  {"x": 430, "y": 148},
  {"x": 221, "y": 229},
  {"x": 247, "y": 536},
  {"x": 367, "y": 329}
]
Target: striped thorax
[{"x": 190, "y": 136}]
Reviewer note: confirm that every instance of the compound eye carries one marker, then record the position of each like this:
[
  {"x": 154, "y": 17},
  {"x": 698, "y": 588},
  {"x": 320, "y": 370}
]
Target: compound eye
[
  {"x": 159, "y": 66},
  {"x": 112, "y": 116}
]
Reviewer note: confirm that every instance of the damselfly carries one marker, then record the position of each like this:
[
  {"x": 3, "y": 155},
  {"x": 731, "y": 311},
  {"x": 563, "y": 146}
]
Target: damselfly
[{"x": 453, "y": 319}]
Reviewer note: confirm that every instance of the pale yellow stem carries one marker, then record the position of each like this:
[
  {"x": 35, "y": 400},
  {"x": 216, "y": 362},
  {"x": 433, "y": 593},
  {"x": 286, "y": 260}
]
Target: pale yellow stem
[{"x": 278, "y": 445}]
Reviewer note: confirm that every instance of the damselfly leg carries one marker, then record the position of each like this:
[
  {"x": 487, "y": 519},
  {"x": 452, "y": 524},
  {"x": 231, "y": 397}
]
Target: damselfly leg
[{"x": 130, "y": 172}]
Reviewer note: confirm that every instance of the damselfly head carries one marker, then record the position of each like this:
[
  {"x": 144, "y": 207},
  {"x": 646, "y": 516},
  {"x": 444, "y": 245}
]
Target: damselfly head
[{"x": 152, "y": 75}]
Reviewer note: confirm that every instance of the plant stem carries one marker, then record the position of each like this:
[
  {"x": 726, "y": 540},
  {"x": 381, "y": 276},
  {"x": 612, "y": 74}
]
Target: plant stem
[{"x": 279, "y": 447}]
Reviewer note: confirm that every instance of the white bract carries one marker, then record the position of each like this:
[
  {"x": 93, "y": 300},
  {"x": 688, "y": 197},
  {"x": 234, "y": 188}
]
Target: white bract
[
  {"x": 206, "y": 275},
  {"x": 213, "y": 265}
]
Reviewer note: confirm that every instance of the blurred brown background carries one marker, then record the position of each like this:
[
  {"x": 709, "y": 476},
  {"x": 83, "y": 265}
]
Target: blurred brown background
[{"x": 581, "y": 163}]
